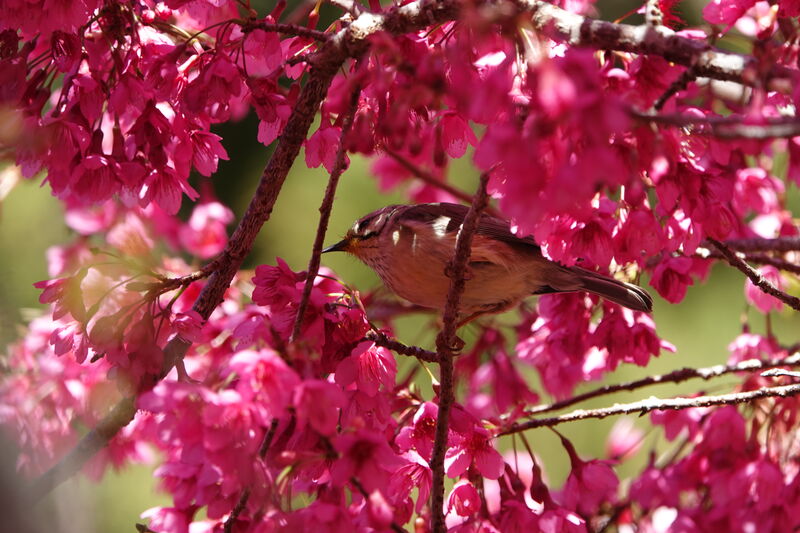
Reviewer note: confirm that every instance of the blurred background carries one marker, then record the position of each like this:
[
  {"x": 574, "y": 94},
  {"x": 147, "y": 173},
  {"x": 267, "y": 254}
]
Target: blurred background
[{"x": 31, "y": 220}]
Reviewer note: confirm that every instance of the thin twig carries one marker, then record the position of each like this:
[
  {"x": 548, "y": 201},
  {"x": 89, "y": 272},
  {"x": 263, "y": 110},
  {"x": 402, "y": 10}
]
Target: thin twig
[
  {"x": 755, "y": 276},
  {"x": 288, "y": 29},
  {"x": 240, "y": 505},
  {"x": 657, "y": 404},
  {"x": 445, "y": 342},
  {"x": 357, "y": 484},
  {"x": 760, "y": 244},
  {"x": 381, "y": 339},
  {"x": 731, "y": 127},
  {"x": 325, "y": 211},
  {"x": 759, "y": 259},
  {"x": 433, "y": 181},
  {"x": 676, "y": 376},
  {"x": 678, "y": 85}
]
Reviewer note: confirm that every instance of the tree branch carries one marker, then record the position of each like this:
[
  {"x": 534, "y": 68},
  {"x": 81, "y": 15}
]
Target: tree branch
[
  {"x": 325, "y": 212},
  {"x": 657, "y": 404},
  {"x": 288, "y": 29},
  {"x": 758, "y": 280},
  {"x": 445, "y": 342},
  {"x": 433, "y": 181},
  {"x": 242, "y": 502},
  {"x": 655, "y": 40},
  {"x": 759, "y": 244},
  {"x": 414, "y": 351},
  {"x": 676, "y": 376},
  {"x": 759, "y": 259},
  {"x": 726, "y": 127}
]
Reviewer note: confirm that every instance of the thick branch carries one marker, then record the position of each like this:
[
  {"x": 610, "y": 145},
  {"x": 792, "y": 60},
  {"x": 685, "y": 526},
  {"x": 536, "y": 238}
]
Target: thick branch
[
  {"x": 654, "y": 40},
  {"x": 445, "y": 342},
  {"x": 676, "y": 376},
  {"x": 758, "y": 280},
  {"x": 656, "y": 404}
]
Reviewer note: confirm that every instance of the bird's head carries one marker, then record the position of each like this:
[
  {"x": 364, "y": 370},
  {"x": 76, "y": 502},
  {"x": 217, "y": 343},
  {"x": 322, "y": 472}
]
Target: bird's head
[{"x": 362, "y": 239}]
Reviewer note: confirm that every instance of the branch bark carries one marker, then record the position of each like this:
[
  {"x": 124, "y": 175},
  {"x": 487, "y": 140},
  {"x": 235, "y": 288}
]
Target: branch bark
[
  {"x": 445, "y": 342},
  {"x": 676, "y": 376},
  {"x": 755, "y": 277},
  {"x": 657, "y": 404}
]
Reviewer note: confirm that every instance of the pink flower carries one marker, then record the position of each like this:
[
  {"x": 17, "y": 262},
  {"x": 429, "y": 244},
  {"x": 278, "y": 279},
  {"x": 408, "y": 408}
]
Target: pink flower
[
  {"x": 473, "y": 448},
  {"x": 420, "y": 433},
  {"x": 276, "y": 285},
  {"x": 456, "y": 135},
  {"x": 761, "y": 300},
  {"x": 675, "y": 421},
  {"x": 416, "y": 473},
  {"x": 207, "y": 151},
  {"x": 589, "y": 484},
  {"x": 368, "y": 367},
  {"x": 263, "y": 52},
  {"x": 726, "y": 12},
  {"x": 204, "y": 235},
  {"x": 750, "y": 346},
  {"x": 367, "y": 457},
  {"x": 624, "y": 440},
  {"x": 322, "y": 146},
  {"x": 265, "y": 379},
  {"x": 273, "y": 108},
  {"x": 463, "y": 499},
  {"x": 318, "y": 403},
  {"x": 672, "y": 276}
]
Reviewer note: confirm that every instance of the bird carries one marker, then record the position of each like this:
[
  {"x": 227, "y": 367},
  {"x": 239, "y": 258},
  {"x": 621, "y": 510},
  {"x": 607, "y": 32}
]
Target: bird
[{"x": 410, "y": 247}]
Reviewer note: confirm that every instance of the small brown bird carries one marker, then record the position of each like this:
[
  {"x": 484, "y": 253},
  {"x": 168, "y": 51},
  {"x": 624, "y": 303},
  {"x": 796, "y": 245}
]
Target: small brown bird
[{"x": 410, "y": 246}]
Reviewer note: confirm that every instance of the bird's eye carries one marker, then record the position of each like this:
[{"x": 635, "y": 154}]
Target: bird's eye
[{"x": 368, "y": 235}]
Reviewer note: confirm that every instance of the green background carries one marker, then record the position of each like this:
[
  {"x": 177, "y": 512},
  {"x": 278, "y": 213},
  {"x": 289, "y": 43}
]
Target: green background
[{"x": 31, "y": 220}]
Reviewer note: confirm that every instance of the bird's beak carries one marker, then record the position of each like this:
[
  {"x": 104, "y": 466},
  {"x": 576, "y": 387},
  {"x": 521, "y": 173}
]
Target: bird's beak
[{"x": 341, "y": 246}]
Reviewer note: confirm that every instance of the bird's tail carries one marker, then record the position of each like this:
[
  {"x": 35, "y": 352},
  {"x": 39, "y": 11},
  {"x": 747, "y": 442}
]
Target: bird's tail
[{"x": 625, "y": 294}]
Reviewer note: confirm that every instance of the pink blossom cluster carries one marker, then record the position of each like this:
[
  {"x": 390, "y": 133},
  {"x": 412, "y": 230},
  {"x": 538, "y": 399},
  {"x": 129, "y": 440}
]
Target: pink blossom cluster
[
  {"x": 263, "y": 429},
  {"x": 117, "y": 99}
]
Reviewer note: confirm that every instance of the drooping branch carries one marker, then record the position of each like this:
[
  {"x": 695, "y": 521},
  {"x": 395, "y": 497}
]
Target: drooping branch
[
  {"x": 676, "y": 376},
  {"x": 445, "y": 349},
  {"x": 325, "y": 211},
  {"x": 658, "y": 404},
  {"x": 758, "y": 280}
]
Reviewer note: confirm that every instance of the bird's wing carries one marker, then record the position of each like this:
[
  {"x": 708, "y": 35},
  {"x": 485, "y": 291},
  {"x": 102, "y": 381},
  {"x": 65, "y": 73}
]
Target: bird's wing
[
  {"x": 488, "y": 226},
  {"x": 446, "y": 219}
]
